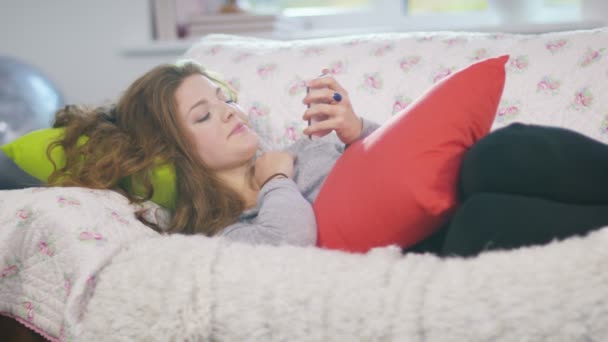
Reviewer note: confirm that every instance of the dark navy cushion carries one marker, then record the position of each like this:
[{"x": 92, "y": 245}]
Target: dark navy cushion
[{"x": 12, "y": 177}]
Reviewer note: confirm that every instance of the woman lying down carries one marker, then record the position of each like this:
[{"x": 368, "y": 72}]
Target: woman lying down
[{"x": 516, "y": 186}]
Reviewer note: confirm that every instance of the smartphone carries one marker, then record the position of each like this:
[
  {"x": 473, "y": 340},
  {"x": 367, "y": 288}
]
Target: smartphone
[{"x": 317, "y": 118}]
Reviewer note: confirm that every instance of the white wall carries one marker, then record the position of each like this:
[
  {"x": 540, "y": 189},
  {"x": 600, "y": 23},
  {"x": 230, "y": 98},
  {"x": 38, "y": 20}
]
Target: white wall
[{"x": 79, "y": 44}]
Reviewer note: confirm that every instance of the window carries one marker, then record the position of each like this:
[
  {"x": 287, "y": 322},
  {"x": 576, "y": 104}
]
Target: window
[
  {"x": 410, "y": 6},
  {"x": 419, "y": 15},
  {"x": 291, "y": 19},
  {"x": 282, "y": 5},
  {"x": 442, "y": 6}
]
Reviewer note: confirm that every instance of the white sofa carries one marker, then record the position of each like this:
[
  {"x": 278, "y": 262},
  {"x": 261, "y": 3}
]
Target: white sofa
[{"x": 76, "y": 265}]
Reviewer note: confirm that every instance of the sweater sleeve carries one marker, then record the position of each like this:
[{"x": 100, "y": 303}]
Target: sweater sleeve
[
  {"x": 284, "y": 217},
  {"x": 368, "y": 128}
]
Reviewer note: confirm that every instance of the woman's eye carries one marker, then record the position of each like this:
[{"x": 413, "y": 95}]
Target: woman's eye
[
  {"x": 203, "y": 118},
  {"x": 229, "y": 101}
]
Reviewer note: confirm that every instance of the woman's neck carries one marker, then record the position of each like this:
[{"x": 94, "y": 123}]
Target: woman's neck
[{"x": 241, "y": 179}]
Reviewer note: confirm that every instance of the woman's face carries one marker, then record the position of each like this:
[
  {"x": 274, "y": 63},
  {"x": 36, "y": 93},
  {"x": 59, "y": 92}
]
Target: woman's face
[{"x": 218, "y": 126}]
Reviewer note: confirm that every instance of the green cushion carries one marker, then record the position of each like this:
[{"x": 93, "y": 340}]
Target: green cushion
[{"x": 29, "y": 153}]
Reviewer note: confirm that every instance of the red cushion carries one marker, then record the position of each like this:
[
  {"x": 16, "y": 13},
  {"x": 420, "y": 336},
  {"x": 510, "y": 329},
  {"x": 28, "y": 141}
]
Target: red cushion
[{"x": 399, "y": 185}]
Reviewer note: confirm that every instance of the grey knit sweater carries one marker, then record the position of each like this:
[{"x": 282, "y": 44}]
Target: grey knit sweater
[{"x": 283, "y": 213}]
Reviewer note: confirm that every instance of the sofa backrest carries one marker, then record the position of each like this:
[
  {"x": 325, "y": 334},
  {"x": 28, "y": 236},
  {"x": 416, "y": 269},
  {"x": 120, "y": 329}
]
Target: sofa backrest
[{"x": 556, "y": 79}]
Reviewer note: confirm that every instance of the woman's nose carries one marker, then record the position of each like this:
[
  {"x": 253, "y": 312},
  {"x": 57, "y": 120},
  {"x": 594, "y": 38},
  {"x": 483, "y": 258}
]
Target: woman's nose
[{"x": 228, "y": 112}]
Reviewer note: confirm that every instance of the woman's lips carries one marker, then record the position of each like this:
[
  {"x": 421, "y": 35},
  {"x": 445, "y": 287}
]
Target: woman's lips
[{"x": 239, "y": 128}]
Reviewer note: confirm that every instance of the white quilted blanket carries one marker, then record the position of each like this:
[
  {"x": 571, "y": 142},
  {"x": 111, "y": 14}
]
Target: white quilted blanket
[
  {"x": 53, "y": 241},
  {"x": 76, "y": 265}
]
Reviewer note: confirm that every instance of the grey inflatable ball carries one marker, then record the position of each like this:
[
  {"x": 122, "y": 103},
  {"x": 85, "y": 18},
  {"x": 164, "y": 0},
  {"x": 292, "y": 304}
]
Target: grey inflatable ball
[{"x": 28, "y": 101}]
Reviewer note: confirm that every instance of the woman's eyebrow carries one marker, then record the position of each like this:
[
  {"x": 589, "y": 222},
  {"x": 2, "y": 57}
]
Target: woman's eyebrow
[
  {"x": 200, "y": 102},
  {"x": 204, "y": 101}
]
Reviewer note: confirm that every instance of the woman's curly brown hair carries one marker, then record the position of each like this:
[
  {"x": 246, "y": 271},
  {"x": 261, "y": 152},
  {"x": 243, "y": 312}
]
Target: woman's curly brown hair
[{"x": 126, "y": 141}]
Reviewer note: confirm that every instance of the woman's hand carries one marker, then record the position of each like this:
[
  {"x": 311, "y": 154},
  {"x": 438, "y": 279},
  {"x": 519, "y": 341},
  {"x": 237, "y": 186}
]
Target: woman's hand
[
  {"x": 271, "y": 163},
  {"x": 334, "y": 115}
]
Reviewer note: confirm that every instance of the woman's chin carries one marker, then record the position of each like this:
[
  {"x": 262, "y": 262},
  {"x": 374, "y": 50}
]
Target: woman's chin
[{"x": 253, "y": 146}]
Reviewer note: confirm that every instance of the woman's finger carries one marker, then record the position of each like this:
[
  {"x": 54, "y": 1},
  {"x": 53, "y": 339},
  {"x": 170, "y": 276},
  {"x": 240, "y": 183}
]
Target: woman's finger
[
  {"x": 320, "y": 95},
  {"x": 328, "y": 110},
  {"x": 324, "y": 126},
  {"x": 327, "y": 82}
]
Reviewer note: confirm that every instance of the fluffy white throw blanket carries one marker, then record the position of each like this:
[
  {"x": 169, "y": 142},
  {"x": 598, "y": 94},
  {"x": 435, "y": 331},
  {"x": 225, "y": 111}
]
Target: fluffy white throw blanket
[{"x": 176, "y": 288}]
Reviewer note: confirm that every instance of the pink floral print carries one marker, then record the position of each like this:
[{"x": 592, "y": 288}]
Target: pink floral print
[
  {"x": 451, "y": 42},
  {"x": 313, "y": 51},
  {"x": 383, "y": 49},
  {"x": 337, "y": 67},
  {"x": 29, "y": 310},
  {"x": 400, "y": 103},
  {"x": 257, "y": 110},
  {"x": 116, "y": 216},
  {"x": 214, "y": 50},
  {"x": 296, "y": 87},
  {"x": 91, "y": 236},
  {"x": 62, "y": 336},
  {"x": 409, "y": 62},
  {"x": 24, "y": 217},
  {"x": 441, "y": 73},
  {"x": 265, "y": 70},
  {"x": 241, "y": 57},
  {"x": 67, "y": 284},
  {"x": 91, "y": 280},
  {"x": 507, "y": 110},
  {"x": 24, "y": 214},
  {"x": 291, "y": 133},
  {"x": 519, "y": 63},
  {"x": 591, "y": 56},
  {"x": 67, "y": 201},
  {"x": 583, "y": 99},
  {"x": 478, "y": 55},
  {"x": 548, "y": 85},
  {"x": 46, "y": 248},
  {"x": 372, "y": 81},
  {"x": 9, "y": 271},
  {"x": 556, "y": 45}
]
